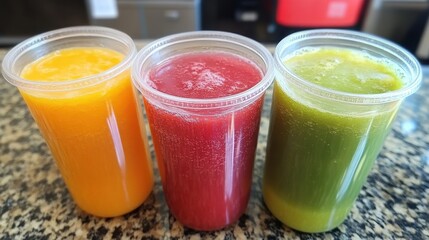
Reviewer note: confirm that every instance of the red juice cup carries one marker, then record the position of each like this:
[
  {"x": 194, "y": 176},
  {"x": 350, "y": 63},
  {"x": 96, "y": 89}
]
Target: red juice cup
[{"x": 203, "y": 94}]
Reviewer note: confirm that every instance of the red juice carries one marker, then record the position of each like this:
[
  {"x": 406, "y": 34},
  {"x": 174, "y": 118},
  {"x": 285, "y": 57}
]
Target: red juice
[{"x": 205, "y": 157}]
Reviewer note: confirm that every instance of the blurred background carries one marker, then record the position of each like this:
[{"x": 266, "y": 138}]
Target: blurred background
[{"x": 267, "y": 21}]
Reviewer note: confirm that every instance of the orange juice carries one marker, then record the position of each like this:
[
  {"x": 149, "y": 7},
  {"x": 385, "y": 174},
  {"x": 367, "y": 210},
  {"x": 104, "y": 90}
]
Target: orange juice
[{"x": 93, "y": 132}]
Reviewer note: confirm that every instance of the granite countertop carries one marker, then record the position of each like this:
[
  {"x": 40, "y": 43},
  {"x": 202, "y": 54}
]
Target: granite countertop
[{"x": 35, "y": 204}]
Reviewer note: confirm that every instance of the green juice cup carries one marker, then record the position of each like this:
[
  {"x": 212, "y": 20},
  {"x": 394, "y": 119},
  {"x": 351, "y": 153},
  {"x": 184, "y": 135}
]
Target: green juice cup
[{"x": 325, "y": 136}]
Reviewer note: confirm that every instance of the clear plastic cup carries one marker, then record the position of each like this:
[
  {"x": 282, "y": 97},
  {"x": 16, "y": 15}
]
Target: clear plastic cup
[
  {"x": 92, "y": 125},
  {"x": 322, "y": 143},
  {"x": 205, "y": 147}
]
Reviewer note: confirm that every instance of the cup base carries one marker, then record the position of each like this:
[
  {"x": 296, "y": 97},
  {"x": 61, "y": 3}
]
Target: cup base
[{"x": 301, "y": 219}]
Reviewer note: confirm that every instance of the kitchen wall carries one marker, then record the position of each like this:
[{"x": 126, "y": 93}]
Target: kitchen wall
[
  {"x": 401, "y": 21},
  {"x": 142, "y": 19},
  {"x": 20, "y": 19}
]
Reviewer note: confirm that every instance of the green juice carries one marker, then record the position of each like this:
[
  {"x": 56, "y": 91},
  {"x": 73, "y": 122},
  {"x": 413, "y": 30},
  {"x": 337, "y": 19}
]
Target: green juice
[{"x": 318, "y": 158}]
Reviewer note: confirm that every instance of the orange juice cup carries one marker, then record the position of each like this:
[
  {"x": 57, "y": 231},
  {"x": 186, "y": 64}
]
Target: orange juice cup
[{"x": 91, "y": 123}]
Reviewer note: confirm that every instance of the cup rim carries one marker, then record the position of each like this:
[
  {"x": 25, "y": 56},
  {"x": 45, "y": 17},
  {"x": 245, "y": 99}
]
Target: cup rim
[
  {"x": 199, "y": 37},
  {"x": 61, "y": 34},
  {"x": 349, "y": 36}
]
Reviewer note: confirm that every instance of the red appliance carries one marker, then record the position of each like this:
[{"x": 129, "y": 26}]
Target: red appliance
[{"x": 318, "y": 13}]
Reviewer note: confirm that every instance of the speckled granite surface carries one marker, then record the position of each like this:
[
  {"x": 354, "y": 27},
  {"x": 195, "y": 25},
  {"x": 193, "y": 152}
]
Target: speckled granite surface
[{"x": 34, "y": 202}]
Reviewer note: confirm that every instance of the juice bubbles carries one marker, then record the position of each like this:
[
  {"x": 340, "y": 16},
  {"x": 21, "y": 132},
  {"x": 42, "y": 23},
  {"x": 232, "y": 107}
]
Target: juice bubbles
[
  {"x": 203, "y": 104},
  {"x": 82, "y": 99},
  {"x": 333, "y": 106}
]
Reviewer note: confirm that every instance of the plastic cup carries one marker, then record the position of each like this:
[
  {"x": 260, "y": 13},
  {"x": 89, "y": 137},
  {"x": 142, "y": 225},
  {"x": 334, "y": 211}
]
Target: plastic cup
[
  {"x": 322, "y": 143},
  {"x": 205, "y": 147},
  {"x": 92, "y": 125}
]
